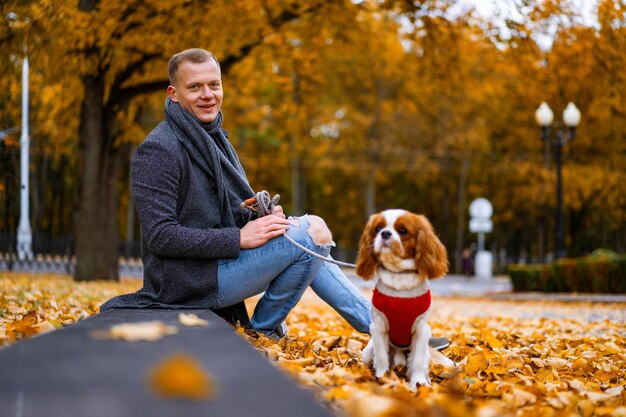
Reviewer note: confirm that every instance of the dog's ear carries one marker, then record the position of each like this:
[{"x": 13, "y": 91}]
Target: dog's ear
[
  {"x": 431, "y": 257},
  {"x": 366, "y": 261}
]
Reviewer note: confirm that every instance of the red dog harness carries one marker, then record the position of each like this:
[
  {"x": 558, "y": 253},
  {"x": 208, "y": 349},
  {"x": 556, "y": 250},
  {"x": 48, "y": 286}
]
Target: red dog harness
[{"x": 401, "y": 313}]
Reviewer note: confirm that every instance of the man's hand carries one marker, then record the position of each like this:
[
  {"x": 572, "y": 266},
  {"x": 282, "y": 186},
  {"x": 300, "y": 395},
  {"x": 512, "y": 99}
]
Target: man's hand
[{"x": 259, "y": 231}]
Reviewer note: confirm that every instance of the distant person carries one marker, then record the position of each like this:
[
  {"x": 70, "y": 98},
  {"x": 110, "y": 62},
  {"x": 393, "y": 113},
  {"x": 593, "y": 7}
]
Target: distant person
[
  {"x": 199, "y": 248},
  {"x": 468, "y": 264}
]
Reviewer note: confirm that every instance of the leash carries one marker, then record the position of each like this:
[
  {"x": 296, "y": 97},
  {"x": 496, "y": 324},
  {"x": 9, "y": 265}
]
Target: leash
[{"x": 263, "y": 205}]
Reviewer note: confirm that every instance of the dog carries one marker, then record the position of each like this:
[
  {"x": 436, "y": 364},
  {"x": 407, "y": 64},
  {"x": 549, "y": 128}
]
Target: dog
[{"x": 401, "y": 249}]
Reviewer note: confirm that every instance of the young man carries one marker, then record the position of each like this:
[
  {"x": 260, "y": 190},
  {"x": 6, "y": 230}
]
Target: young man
[{"x": 199, "y": 248}]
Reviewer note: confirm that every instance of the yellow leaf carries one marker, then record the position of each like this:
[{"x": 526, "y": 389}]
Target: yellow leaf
[
  {"x": 619, "y": 412},
  {"x": 597, "y": 397},
  {"x": 556, "y": 363},
  {"x": 496, "y": 370},
  {"x": 586, "y": 407},
  {"x": 577, "y": 385},
  {"x": 555, "y": 402},
  {"x": 337, "y": 393},
  {"x": 538, "y": 362},
  {"x": 581, "y": 364},
  {"x": 364, "y": 404},
  {"x": 318, "y": 378},
  {"x": 475, "y": 362},
  {"x": 523, "y": 398},
  {"x": 190, "y": 319},
  {"x": 181, "y": 375},
  {"x": 146, "y": 330},
  {"x": 272, "y": 354},
  {"x": 25, "y": 324},
  {"x": 491, "y": 339},
  {"x": 298, "y": 362},
  {"x": 44, "y": 327}
]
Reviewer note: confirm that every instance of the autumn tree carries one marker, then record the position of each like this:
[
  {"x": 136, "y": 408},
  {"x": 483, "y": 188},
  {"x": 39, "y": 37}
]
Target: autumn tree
[
  {"x": 115, "y": 52},
  {"x": 342, "y": 107}
]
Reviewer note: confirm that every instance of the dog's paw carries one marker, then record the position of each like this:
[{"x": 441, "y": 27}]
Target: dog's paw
[
  {"x": 419, "y": 379},
  {"x": 380, "y": 372},
  {"x": 399, "y": 359},
  {"x": 368, "y": 354}
]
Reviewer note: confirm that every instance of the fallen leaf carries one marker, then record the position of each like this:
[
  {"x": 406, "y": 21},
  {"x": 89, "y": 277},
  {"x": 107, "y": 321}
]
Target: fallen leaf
[
  {"x": 190, "y": 319},
  {"x": 555, "y": 402},
  {"x": 44, "y": 327},
  {"x": 615, "y": 391},
  {"x": 181, "y": 375},
  {"x": 597, "y": 397},
  {"x": 586, "y": 407},
  {"x": 145, "y": 330},
  {"x": 581, "y": 364},
  {"x": 523, "y": 398},
  {"x": 363, "y": 404},
  {"x": 25, "y": 324},
  {"x": 491, "y": 339},
  {"x": 556, "y": 363},
  {"x": 475, "y": 362}
]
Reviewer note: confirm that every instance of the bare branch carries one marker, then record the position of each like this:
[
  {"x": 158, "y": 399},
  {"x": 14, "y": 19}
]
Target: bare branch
[{"x": 132, "y": 68}]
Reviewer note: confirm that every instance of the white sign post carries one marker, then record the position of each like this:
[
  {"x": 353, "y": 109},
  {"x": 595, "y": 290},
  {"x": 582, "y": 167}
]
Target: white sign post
[{"x": 480, "y": 222}]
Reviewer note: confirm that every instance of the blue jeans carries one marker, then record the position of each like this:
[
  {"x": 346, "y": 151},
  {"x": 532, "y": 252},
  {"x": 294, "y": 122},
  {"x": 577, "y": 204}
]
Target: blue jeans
[{"x": 283, "y": 272}]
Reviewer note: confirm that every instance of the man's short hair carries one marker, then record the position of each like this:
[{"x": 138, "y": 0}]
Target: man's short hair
[{"x": 195, "y": 55}]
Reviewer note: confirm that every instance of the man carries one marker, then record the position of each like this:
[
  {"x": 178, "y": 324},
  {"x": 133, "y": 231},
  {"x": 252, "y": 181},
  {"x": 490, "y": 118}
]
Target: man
[{"x": 199, "y": 248}]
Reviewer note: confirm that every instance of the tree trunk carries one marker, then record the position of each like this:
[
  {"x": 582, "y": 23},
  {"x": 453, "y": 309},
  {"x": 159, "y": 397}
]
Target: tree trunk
[
  {"x": 460, "y": 220},
  {"x": 95, "y": 223},
  {"x": 296, "y": 196}
]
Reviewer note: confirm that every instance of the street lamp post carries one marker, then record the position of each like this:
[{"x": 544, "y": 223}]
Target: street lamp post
[
  {"x": 571, "y": 117},
  {"x": 24, "y": 233}
]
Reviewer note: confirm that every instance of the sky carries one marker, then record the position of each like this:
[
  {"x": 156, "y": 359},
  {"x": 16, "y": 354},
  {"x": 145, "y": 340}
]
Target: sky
[
  {"x": 489, "y": 8},
  {"x": 494, "y": 10}
]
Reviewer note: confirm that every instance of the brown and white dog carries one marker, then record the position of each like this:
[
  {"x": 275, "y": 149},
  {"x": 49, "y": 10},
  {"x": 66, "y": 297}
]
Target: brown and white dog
[{"x": 401, "y": 249}]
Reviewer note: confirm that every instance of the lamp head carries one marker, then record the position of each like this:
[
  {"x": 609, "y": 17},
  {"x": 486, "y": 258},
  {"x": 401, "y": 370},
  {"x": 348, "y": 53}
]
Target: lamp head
[
  {"x": 571, "y": 115},
  {"x": 544, "y": 115}
]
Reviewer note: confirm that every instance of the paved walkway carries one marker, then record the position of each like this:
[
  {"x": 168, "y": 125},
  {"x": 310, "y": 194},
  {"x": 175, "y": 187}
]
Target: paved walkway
[{"x": 497, "y": 288}]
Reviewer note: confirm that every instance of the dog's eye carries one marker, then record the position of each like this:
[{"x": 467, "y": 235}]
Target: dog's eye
[
  {"x": 402, "y": 231},
  {"x": 378, "y": 229}
]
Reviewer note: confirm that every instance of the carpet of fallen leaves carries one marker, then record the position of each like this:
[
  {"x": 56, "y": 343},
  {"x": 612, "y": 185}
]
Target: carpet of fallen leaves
[
  {"x": 514, "y": 358},
  {"x": 36, "y": 303}
]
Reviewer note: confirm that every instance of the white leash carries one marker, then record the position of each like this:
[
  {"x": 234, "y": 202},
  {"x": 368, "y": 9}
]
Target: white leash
[{"x": 264, "y": 205}]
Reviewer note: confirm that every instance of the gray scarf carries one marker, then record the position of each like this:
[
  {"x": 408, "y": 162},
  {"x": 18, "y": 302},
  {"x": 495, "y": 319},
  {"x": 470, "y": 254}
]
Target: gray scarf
[{"x": 209, "y": 148}]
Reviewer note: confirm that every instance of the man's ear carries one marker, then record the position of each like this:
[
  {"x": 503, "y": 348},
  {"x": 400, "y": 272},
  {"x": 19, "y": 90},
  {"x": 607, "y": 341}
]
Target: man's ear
[{"x": 171, "y": 90}]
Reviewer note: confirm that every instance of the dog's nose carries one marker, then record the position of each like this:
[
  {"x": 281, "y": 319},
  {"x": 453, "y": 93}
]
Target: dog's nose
[{"x": 385, "y": 234}]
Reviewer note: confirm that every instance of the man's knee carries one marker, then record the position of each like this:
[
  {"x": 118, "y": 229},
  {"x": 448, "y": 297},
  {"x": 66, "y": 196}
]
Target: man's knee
[{"x": 319, "y": 231}]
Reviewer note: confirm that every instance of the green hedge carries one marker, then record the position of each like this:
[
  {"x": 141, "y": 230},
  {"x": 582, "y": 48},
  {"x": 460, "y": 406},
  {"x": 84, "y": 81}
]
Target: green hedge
[{"x": 600, "y": 272}]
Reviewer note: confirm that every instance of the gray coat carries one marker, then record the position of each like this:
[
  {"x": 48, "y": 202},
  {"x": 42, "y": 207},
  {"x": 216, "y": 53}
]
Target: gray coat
[{"x": 183, "y": 234}]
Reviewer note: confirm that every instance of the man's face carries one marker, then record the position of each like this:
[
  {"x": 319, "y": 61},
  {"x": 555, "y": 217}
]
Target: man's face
[{"x": 198, "y": 88}]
